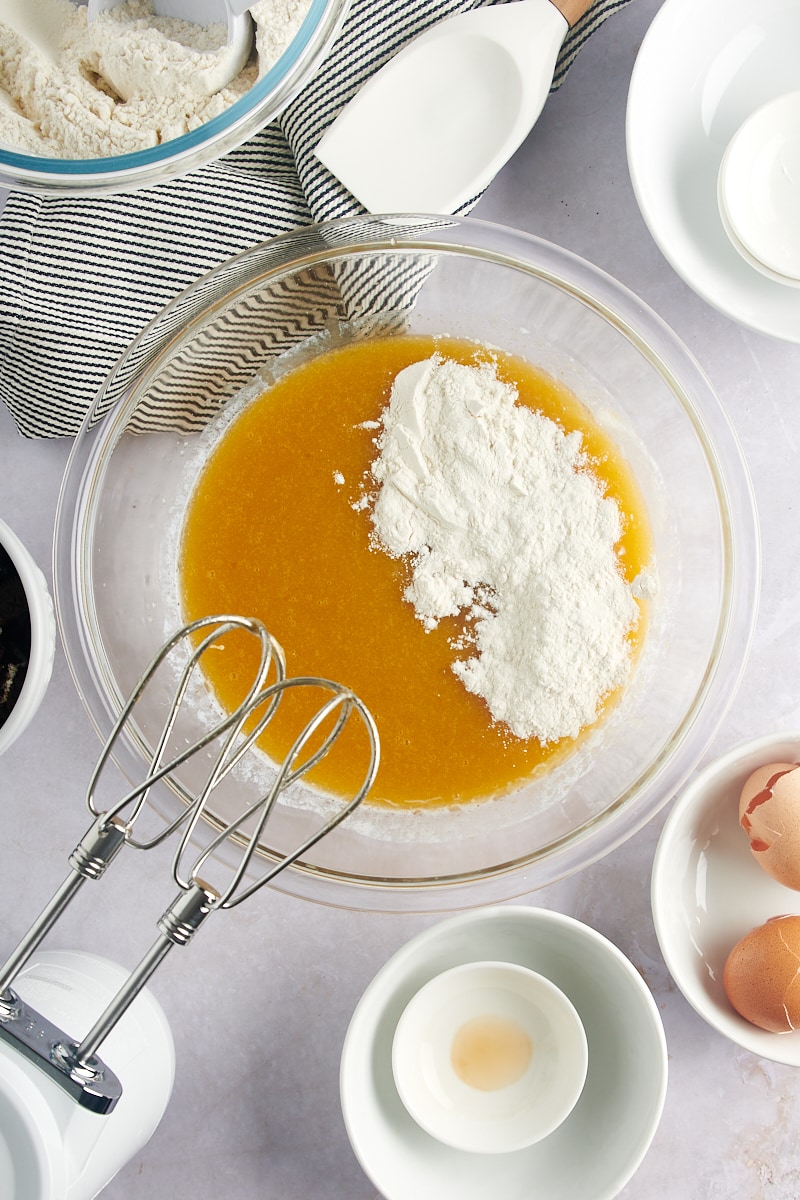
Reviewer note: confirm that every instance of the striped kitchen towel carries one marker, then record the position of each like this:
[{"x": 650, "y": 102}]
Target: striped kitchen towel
[{"x": 81, "y": 277}]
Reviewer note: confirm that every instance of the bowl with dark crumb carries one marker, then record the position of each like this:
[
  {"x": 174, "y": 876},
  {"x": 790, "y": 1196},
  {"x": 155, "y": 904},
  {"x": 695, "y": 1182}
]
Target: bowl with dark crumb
[
  {"x": 467, "y": 475},
  {"x": 27, "y": 637}
]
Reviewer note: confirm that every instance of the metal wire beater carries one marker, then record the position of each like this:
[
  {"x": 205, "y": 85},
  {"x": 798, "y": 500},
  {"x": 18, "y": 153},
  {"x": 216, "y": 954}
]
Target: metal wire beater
[{"x": 76, "y": 1066}]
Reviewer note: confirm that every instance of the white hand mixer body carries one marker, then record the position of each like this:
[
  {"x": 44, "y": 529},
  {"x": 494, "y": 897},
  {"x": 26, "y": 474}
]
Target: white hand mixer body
[{"x": 50, "y": 1147}]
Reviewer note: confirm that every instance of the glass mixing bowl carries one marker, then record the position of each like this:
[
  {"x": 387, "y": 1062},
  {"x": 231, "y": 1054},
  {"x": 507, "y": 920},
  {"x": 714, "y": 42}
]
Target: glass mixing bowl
[
  {"x": 260, "y": 105},
  {"x": 137, "y": 456}
]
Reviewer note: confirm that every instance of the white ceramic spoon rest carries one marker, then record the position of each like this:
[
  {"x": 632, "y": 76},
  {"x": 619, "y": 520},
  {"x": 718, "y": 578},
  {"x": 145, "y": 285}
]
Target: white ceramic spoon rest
[{"x": 433, "y": 127}]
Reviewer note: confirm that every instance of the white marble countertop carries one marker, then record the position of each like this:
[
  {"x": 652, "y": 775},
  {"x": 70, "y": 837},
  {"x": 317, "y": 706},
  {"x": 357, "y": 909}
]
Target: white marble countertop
[{"x": 260, "y": 1003}]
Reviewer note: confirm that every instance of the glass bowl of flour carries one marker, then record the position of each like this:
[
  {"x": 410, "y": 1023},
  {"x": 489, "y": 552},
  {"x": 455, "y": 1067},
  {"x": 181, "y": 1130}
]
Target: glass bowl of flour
[
  {"x": 490, "y": 479},
  {"x": 65, "y": 126}
]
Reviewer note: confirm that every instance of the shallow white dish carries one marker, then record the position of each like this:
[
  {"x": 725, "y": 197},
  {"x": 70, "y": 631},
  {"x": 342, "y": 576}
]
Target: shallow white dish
[
  {"x": 708, "y": 891},
  {"x": 702, "y": 70},
  {"x": 619, "y": 1108},
  {"x": 489, "y": 1057},
  {"x": 759, "y": 187},
  {"x": 756, "y": 264}
]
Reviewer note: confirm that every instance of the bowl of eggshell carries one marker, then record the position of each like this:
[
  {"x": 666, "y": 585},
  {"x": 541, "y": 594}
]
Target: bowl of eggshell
[
  {"x": 465, "y": 474},
  {"x": 726, "y": 895}
]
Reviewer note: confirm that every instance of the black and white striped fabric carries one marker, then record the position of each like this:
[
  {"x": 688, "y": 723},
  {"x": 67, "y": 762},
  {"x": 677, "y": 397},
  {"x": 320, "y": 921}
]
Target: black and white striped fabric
[{"x": 81, "y": 277}]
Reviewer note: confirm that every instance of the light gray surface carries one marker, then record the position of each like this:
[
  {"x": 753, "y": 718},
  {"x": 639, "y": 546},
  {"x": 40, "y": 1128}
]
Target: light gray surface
[{"x": 260, "y": 1003}]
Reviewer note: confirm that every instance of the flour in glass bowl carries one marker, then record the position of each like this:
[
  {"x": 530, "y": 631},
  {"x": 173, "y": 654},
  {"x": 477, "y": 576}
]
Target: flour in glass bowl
[
  {"x": 60, "y": 105},
  {"x": 501, "y": 519}
]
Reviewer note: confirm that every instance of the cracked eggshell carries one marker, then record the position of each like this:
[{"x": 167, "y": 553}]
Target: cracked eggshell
[
  {"x": 762, "y": 975},
  {"x": 769, "y": 813}
]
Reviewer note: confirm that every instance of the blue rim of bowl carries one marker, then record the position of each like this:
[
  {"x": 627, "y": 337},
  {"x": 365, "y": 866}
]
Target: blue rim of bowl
[{"x": 176, "y": 147}]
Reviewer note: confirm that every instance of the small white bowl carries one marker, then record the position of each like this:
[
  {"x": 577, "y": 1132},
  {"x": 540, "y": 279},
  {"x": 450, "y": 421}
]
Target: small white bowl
[
  {"x": 596, "y": 1151},
  {"x": 758, "y": 189},
  {"x": 708, "y": 891},
  {"x": 749, "y": 258},
  {"x": 489, "y": 1057},
  {"x": 42, "y": 636}
]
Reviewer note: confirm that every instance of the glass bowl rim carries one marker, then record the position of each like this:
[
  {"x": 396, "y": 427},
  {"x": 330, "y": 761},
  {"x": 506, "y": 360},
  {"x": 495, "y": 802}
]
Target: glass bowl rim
[{"x": 662, "y": 777}]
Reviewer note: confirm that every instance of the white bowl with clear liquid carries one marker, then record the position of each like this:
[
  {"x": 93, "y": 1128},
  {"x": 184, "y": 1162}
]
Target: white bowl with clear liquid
[{"x": 489, "y": 1057}]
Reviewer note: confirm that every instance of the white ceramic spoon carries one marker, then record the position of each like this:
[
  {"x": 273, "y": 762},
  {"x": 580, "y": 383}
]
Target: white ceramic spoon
[
  {"x": 230, "y": 13},
  {"x": 432, "y": 128}
]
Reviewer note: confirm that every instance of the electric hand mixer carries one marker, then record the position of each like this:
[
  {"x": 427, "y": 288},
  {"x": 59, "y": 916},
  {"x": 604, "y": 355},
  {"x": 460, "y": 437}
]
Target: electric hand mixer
[{"x": 63, "y": 1151}]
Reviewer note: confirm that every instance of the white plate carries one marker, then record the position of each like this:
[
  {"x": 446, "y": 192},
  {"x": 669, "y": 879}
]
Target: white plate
[
  {"x": 701, "y": 71},
  {"x": 708, "y": 891},
  {"x": 597, "y": 1149},
  {"x": 759, "y": 188}
]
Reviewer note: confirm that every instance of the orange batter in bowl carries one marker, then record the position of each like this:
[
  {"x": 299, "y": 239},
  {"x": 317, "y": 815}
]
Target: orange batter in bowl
[{"x": 276, "y": 529}]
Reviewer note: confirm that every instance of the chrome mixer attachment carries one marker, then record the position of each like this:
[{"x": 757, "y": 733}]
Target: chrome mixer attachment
[{"x": 75, "y": 1065}]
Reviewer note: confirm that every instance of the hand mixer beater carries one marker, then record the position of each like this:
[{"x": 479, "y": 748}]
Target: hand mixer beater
[{"x": 73, "y": 1063}]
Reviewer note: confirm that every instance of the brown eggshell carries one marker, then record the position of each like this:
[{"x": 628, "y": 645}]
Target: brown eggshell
[
  {"x": 762, "y": 975},
  {"x": 769, "y": 813}
]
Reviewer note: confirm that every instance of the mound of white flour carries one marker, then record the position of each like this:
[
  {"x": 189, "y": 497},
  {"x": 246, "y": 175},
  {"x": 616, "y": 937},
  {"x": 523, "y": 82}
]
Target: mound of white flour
[
  {"x": 64, "y": 107},
  {"x": 501, "y": 518}
]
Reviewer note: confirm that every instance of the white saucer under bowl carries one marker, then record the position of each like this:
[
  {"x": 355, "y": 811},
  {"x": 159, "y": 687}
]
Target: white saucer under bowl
[
  {"x": 708, "y": 891},
  {"x": 621, "y": 1102},
  {"x": 758, "y": 189},
  {"x": 702, "y": 70}
]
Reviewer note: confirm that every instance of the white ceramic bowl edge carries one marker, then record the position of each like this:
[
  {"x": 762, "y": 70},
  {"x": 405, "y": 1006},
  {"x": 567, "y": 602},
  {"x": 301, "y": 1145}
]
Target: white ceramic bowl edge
[{"x": 43, "y": 638}]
